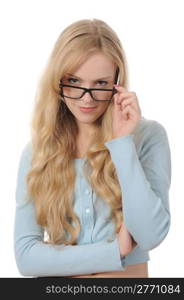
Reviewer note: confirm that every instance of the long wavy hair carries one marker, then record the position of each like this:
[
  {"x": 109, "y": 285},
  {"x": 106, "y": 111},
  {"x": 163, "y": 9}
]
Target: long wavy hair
[{"x": 51, "y": 179}]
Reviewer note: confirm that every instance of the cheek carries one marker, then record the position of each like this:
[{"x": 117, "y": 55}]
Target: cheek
[
  {"x": 103, "y": 107},
  {"x": 71, "y": 106}
]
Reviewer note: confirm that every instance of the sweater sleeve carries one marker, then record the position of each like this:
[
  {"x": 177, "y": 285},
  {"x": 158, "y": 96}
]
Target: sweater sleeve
[
  {"x": 34, "y": 257},
  {"x": 145, "y": 183}
]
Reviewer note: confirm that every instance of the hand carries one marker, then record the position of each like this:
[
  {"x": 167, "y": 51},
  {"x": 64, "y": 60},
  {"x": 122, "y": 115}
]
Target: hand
[
  {"x": 126, "y": 112},
  {"x": 126, "y": 245},
  {"x": 126, "y": 242}
]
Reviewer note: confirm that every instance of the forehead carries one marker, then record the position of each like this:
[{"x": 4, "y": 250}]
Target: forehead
[{"x": 97, "y": 65}]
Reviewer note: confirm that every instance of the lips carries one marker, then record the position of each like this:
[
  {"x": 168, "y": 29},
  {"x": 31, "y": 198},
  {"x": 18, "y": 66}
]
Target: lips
[{"x": 87, "y": 109}]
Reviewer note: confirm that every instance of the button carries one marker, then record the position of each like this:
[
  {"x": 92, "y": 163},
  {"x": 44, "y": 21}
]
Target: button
[
  {"x": 87, "y": 192},
  {"x": 87, "y": 210}
]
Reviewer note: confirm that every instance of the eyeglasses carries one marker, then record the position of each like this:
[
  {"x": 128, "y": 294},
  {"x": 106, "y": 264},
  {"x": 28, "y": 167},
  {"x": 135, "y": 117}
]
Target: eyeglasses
[{"x": 75, "y": 92}]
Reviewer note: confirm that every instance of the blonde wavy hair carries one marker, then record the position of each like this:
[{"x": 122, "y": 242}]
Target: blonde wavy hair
[{"x": 51, "y": 179}]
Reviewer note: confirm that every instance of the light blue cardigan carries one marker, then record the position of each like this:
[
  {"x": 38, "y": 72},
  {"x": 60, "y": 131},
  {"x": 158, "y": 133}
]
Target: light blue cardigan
[{"x": 143, "y": 164}]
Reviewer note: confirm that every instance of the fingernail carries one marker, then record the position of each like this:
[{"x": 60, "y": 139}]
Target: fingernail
[{"x": 116, "y": 85}]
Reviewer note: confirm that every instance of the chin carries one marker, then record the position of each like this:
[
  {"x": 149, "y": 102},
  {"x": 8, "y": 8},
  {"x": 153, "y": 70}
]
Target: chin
[{"x": 87, "y": 121}]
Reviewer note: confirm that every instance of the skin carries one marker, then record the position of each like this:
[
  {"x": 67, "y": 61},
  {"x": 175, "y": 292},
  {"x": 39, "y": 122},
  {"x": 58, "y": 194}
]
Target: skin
[
  {"x": 126, "y": 115},
  {"x": 89, "y": 73}
]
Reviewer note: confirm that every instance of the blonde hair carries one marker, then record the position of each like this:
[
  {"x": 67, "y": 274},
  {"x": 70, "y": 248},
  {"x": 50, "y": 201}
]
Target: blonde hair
[{"x": 52, "y": 176}]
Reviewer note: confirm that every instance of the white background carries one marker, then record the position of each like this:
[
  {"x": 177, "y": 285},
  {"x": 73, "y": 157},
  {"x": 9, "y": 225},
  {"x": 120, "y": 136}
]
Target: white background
[{"x": 151, "y": 32}]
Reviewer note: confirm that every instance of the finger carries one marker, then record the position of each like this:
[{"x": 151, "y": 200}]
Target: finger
[
  {"x": 115, "y": 98},
  {"x": 133, "y": 99},
  {"x": 129, "y": 110},
  {"x": 117, "y": 105},
  {"x": 120, "y": 88},
  {"x": 120, "y": 106},
  {"x": 131, "y": 102},
  {"x": 127, "y": 95}
]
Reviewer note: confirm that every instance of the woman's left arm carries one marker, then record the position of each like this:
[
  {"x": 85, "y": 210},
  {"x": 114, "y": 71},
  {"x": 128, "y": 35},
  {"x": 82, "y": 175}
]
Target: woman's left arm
[{"x": 144, "y": 180}]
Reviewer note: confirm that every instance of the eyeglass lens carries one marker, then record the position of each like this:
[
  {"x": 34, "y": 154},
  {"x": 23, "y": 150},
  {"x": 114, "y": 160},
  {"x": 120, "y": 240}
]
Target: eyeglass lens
[{"x": 75, "y": 93}]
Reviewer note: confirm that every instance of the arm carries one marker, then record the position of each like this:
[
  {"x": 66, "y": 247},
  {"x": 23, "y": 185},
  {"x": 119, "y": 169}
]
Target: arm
[
  {"x": 36, "y": 258},
  {"x": 145, "y": 183},
  {"x": 126, "y": 245}
]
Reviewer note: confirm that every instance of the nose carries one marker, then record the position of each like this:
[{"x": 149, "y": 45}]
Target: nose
[{"x": 87, "y": 97}]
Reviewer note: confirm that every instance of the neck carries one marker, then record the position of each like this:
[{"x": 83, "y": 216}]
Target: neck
[{"x": 86, "y": 130}]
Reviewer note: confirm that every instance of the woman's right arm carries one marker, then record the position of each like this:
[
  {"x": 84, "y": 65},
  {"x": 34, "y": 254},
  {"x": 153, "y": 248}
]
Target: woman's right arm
[
  {"x": 126, "y": 245},
  {"x": 34, "y": 257}
]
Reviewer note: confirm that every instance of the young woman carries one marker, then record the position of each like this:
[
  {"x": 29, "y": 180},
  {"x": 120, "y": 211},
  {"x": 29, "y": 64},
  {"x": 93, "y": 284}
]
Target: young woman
[{"x": 92, "y": 194}]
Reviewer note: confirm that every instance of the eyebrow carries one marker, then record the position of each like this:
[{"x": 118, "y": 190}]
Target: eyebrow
[{"x": 107, "y": 77}]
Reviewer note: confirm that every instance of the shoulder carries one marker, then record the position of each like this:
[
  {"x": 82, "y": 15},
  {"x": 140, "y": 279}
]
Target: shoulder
[
  {"x": 27, "y": 150},
  {"x": 26, "y": 155},
  {"x": 23, "y": 169},
  {"x": 147, "y": 126},
  {"x": 149, "y": 132}
]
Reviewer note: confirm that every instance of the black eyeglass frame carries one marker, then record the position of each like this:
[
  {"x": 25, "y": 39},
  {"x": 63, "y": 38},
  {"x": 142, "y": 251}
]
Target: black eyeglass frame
[{"x": 61, "y": 85}]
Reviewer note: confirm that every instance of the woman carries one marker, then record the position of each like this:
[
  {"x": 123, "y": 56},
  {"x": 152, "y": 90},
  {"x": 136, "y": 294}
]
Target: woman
[{"x": 93, "y": 182}]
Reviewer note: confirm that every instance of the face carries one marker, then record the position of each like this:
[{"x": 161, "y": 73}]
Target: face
[{"x": 98, "y": 71}]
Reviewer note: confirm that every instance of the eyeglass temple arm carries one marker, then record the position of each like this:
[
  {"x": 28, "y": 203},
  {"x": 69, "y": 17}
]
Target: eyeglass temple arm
[{"x": 116, "y": 80}]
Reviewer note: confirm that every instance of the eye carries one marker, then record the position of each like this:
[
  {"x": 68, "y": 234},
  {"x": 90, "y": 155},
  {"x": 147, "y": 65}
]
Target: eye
[
  {"x": 102, "y": 82},
  {"x": 72, "y": 80}
]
